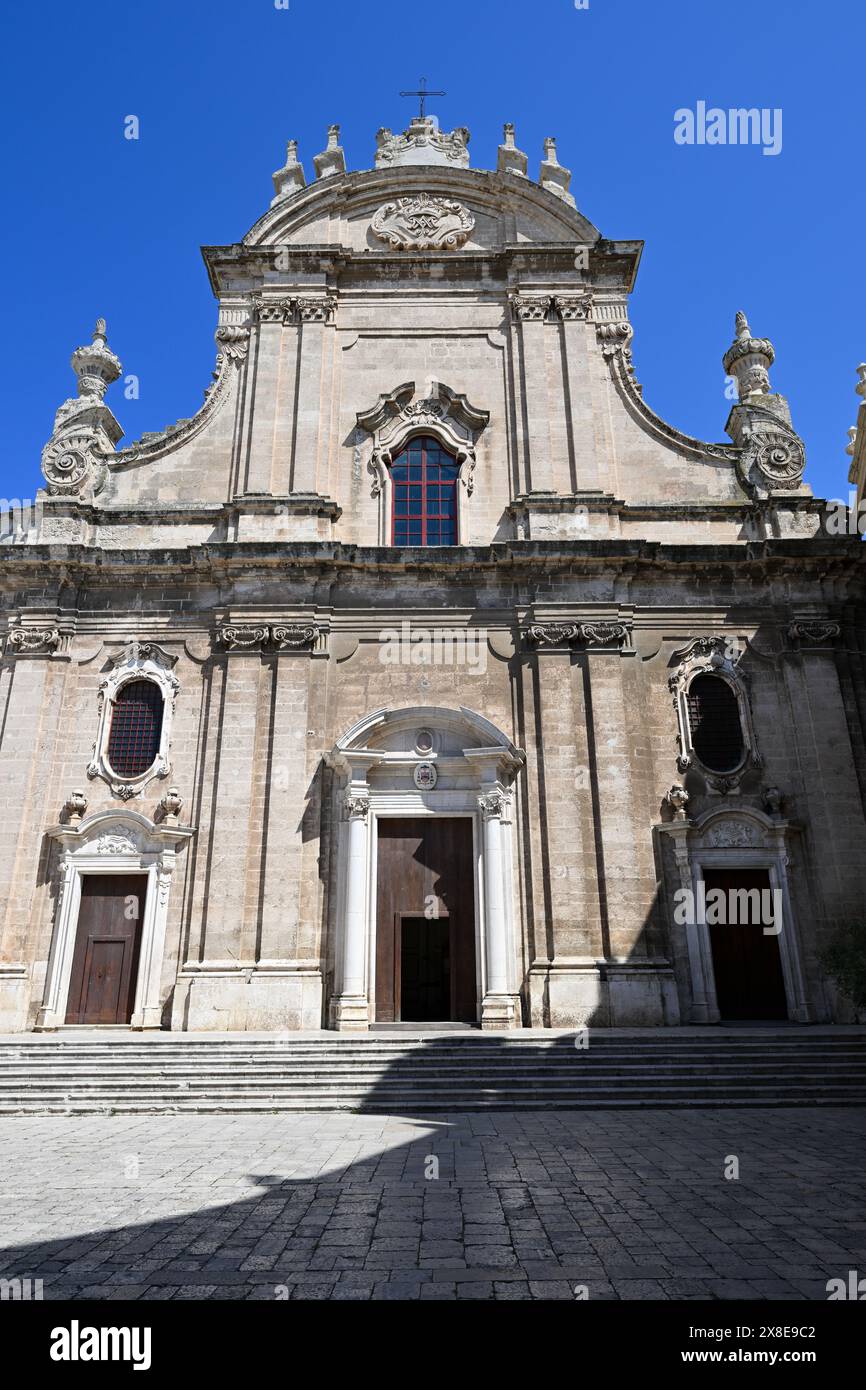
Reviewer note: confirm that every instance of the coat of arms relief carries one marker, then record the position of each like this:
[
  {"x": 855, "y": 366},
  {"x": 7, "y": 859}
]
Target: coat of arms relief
[{"x": 423, "y": 222}]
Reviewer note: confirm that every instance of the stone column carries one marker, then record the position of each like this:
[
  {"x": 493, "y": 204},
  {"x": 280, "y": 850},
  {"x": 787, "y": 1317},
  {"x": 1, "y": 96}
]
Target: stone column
[
  {"x": 499, "y": 1008},
  {"x": 350, "y": 1008}
]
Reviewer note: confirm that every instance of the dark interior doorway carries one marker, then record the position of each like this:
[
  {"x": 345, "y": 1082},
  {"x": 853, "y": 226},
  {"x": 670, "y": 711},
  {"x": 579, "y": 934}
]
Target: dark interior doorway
[
  {"x": 746, "y": 961},
  {"x": 107, "y": 944},
  {"x": 425, "y": 969},
  {"x": 425, "y": 922}
]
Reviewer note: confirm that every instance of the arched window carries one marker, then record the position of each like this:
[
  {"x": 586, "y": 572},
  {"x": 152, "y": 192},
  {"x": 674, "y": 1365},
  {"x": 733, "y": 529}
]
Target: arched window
[
  {"x": 714, "y": 722},
  {"x": 424, "y": 494},
  {"x": 136, "y": 728}
]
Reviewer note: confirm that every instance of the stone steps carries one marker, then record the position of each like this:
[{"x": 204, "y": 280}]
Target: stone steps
[{"x": 429, "y": 1073}]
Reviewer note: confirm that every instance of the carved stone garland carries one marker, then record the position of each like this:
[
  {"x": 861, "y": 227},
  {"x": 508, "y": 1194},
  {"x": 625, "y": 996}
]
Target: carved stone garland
[
  {"x": 33, "y": 641},
  {"x": 595, "y": 634},
  {"x": 423, "y": 222},
  {"x": 238, "y": 637},
  {"x": 815, "y": 633}
]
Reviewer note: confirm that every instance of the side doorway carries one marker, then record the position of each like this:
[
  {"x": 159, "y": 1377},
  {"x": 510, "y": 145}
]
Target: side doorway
[
  {"x": 425, "y": 921},
  {"x": 107, "y": 949},
  {"x": 747, "y": 963}
]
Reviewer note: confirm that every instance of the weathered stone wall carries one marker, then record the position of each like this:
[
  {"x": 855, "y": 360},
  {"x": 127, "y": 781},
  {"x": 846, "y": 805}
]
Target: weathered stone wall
[
  {"x": 253, "y": 909},
  {"x": 597, "y": 545}
]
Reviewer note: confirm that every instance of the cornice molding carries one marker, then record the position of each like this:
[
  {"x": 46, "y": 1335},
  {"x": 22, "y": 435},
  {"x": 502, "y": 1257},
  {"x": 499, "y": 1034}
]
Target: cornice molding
[
  {"x": 614, "y": 338},
  {"x": 233, "y": 343}
]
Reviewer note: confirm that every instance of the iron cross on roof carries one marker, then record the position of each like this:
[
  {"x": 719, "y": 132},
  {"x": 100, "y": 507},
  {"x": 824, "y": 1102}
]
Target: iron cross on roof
[{"x": 422, "y": 94}]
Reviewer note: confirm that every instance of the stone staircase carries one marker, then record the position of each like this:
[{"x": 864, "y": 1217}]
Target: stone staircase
[{"x": 424, "y": 1073}]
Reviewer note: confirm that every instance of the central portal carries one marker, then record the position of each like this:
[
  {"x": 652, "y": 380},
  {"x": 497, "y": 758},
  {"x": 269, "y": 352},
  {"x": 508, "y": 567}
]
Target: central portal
[{"x": 425, "y": 921}]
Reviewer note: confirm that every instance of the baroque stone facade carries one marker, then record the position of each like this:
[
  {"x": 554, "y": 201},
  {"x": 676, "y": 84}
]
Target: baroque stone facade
[{"x": 522, "y": 657}]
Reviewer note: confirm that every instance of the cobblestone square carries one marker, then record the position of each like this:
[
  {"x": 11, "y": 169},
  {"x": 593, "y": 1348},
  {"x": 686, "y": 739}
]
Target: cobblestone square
[{"x": 623, "y": 1205}]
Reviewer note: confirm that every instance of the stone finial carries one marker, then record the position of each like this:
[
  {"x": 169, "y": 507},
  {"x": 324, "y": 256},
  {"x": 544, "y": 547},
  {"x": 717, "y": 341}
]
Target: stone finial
[
  {"x": 772, "y": 455},
  {"x": 290, "y": 178},
  {"x": 772, "y": 799},
  {"x": 422, "y": 143},
  {"x": 95, "y": 365},
  {"x": 748, "y": 360},
  {"x": 74, "y": 807},
  {"x": 84, "y": 427},
  {"x": 332, "y": 160},
  {"x": 678, "y": 799},
  {"x": 511, "y": 160},
  {"x": 851, "y": 447},
  {"x": 860, "y": 388},
  {"x": 554, "y": 176},
  {"x": 170, "y": 806}
]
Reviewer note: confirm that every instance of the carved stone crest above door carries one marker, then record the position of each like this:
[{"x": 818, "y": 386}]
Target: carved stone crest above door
[{"x": 423, "y": 222}]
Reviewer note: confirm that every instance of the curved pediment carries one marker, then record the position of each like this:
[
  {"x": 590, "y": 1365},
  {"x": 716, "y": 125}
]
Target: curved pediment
[{"x": 467, "y": 209}]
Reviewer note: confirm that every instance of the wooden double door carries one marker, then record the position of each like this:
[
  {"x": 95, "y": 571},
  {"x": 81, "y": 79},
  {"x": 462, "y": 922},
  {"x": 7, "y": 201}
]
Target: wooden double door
[
  {"x": 107, "y": 947},
  {"x": 747, "y": 962},
  {"x": 425, "y": 921}
]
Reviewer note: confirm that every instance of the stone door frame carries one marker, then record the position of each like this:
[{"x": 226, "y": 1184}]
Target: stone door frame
[
  {"x": 475, "y": 785},
  {"x": 731, "y": 839},
  {"x": 109, "y": 842},
  {"x": 381, "y": 810}
]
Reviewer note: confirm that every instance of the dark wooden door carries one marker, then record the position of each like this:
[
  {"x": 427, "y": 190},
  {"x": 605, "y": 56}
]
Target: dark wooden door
[
  {"x": 746, "y": 962},
  {"x": 425, "y": 968},
  {"x": 105, "y": 963},
  {"x": 426, "y": 906}
]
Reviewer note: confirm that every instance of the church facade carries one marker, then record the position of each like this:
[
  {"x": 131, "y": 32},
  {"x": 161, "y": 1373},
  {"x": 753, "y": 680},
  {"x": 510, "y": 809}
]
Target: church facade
[{"x": 425, "y": 674}]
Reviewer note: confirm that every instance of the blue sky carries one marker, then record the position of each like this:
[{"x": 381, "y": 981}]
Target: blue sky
[{"x": 98, "y": 224}]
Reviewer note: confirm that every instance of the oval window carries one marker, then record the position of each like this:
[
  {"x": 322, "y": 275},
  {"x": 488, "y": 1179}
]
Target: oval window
[
  {"x": 714, "y": 722},
  {"x": 136, "y": 728}
]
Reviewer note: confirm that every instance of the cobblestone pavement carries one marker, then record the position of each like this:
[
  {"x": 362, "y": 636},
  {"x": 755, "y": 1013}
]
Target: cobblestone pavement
[{"x": 629, "y": 1205}]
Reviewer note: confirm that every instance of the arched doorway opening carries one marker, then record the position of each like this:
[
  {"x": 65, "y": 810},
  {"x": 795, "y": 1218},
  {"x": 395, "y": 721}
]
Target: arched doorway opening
[{"x": 423, "y": 798}]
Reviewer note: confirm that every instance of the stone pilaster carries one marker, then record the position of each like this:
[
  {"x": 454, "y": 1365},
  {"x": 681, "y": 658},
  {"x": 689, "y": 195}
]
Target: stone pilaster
[
  {"x": 231, "y": 856},
  {"x": 583, "y": 458},
  {"x": 33, "y": 688},
  {"x": 265, "y": 397},
  {"x": 528, "y": 314},
  {"x": 827, "y": 766},
  {"x": 564, "y": 984},
  {"x": 315, "y": 343}
]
